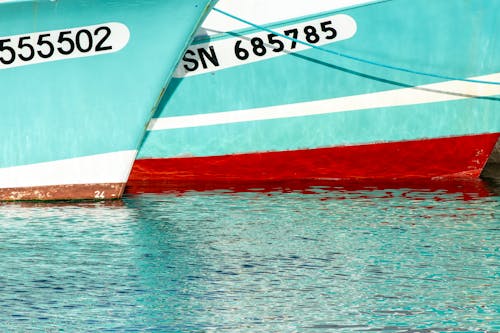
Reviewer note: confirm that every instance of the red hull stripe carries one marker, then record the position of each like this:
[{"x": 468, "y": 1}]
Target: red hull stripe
[{"x": 454, "y": 157}]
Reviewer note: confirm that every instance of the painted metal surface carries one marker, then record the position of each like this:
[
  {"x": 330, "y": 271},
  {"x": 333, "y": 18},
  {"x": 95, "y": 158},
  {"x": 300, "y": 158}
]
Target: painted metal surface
[
  {"x": 241, "y": 93},
  {"x": 80, "y": 81},
  {"x": 495, "y": 155},
  {"x": 98, "y": 191},
  {"x": 455, "y": 157}
]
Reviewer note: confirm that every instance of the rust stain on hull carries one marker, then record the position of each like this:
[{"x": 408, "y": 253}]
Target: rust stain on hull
[{"x": 64, "y": 192}]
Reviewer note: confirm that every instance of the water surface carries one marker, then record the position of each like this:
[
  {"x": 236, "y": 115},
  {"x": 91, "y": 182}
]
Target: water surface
[{"x": 295, "y": 257}]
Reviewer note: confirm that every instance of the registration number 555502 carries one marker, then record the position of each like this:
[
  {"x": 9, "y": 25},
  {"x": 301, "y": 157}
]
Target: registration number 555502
[{"x": 38, "y": 47}]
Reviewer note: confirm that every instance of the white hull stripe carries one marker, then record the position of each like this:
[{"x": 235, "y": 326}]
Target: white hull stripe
[
  {"x": 96, "y": 169},
  {"x": 431, "y": 93},
  {"x": 265, "y": 12}
]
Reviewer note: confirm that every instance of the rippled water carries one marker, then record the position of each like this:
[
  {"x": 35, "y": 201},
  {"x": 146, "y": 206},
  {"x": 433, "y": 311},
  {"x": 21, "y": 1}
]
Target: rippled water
[{"x": 264, "y": 258}]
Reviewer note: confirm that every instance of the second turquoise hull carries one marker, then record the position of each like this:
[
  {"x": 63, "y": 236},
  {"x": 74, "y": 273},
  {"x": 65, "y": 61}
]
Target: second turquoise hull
[{"x": 407, "y": 71}]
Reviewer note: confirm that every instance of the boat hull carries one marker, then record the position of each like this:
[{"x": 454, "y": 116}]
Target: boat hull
[
  {"x": 63, "y": 192},
  {"x": 80, "y": 81},
  {"x": 456, "y": 157},
  {"x": 395, "y": 94}
]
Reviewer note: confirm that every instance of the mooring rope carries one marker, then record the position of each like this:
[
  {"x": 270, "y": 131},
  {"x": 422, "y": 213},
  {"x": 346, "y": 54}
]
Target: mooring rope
[{"x": 374, "y": 63}]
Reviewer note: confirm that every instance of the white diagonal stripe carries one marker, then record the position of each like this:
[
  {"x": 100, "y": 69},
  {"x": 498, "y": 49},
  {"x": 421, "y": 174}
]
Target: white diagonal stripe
[
  {"x": 95, "y": 169},
  {"x": 431, "y": 93}
]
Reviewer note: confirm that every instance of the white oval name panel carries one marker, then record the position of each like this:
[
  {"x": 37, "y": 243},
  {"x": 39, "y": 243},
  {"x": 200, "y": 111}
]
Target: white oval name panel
[
  {"x": 45, "y": 46},
  {"x": 244, "y": 49}
]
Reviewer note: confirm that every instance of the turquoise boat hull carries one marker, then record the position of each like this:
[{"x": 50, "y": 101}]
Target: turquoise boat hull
[
  {"x": 378, "y": 89},
  {"x": 80, "y": 79}
]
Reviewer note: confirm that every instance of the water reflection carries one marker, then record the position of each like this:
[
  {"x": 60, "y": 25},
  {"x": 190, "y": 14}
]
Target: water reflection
[
  {"x": 462, "y": 189},
  {"x": 314, "y": 258},
  {"x": 268, "y": 257}
]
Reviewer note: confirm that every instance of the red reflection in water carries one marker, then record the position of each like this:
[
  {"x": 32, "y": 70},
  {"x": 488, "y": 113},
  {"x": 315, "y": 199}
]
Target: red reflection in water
[{"x": 437, "y": 190}]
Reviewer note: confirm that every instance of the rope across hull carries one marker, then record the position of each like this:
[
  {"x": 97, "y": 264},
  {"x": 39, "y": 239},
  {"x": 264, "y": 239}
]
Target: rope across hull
[{"x": 373, "y": 74}]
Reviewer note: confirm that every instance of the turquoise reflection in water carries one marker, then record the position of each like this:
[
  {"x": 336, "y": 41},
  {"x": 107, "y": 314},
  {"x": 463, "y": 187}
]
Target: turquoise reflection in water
[{"x": 273, "y": 258}]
